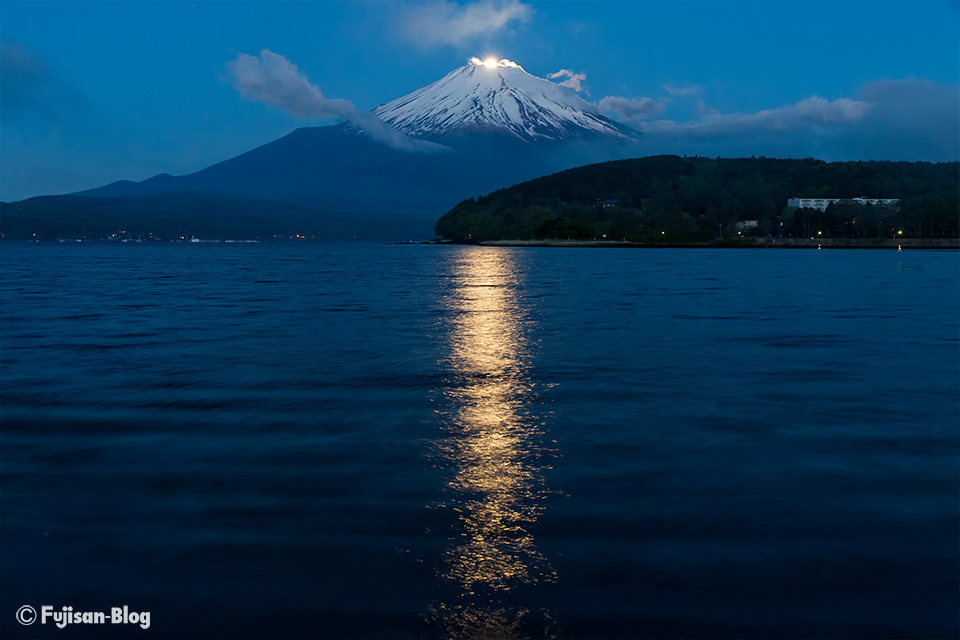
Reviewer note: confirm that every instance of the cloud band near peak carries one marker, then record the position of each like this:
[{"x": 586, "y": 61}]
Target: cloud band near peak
[{"x": 275, "y": 81}]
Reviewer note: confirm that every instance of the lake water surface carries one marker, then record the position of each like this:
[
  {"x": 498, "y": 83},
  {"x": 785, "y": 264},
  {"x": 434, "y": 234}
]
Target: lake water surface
[{"x": 368, "y": 441}]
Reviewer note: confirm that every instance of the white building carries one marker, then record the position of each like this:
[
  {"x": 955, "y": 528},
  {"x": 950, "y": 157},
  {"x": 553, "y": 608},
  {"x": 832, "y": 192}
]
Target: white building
[{"x": 823, "y": 203}]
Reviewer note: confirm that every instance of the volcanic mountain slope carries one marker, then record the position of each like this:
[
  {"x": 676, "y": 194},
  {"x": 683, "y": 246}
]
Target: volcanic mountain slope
[
  {"x": 499, "y": 124},
  {"x": 499, "y": 98}
]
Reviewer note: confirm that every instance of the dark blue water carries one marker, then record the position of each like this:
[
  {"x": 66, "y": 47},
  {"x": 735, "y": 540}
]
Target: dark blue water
[{"x": 366, "y": 441}]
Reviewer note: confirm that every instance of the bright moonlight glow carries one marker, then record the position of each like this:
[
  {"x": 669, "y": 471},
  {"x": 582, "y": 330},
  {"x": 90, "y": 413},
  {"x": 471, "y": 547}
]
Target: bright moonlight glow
[{"x": 490, "y": 63}]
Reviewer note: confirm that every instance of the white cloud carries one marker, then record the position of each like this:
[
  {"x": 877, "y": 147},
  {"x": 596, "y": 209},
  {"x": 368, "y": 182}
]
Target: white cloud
[
  {"x": 631, "y": 109},
  {"x": 442, "y": 22},
  {"x": 275, "y": 81},
  {"x": 908, "y": 119},
  {"x": 805, "y": 115},
  {"x": 502, "y": 63},
  {"x": 573, "y": 79}
]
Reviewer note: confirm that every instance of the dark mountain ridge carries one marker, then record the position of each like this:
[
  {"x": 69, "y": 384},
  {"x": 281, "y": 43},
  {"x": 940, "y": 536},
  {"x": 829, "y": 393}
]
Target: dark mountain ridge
[
  {"x": 175, "y": 215},
  {"x": 337, "y": 167},
  {"x": 497, "y": 125}
]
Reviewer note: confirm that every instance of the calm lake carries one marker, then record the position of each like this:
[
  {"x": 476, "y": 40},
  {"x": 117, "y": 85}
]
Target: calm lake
[{"x": 371, "y": 441}]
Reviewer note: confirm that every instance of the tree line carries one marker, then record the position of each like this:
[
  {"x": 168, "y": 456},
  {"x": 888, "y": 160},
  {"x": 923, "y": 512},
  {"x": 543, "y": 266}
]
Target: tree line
[{"x": 669, "y": 198}]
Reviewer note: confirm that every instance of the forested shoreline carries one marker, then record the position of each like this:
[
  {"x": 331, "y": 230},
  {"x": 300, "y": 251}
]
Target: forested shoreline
[{"x": 674, "y": 199}]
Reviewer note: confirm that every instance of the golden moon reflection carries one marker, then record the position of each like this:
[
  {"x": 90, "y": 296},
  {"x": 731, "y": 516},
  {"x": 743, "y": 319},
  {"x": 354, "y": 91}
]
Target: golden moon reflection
[{"x": 493, "y": 439}]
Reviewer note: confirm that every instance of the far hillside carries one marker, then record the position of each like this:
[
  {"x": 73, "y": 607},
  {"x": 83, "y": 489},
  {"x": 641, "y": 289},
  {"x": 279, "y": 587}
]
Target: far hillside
[
  {"x": 174, "y": 216},
  {"x": 674, "y": 199}
]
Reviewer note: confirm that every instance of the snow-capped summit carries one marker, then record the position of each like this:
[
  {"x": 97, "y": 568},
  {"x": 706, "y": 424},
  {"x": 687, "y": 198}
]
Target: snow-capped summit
[{"x": 499, "y": 97}]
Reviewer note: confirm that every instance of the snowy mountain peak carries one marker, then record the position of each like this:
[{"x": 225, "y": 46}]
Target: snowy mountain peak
[{"x": 499, "y": 96}]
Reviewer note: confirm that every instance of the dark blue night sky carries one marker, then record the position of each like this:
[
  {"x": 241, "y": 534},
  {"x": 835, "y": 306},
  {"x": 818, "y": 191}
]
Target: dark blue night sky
[{"x": 95, "y": 92}]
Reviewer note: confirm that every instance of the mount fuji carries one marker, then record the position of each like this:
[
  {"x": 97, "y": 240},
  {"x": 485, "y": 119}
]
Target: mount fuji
[
  {"x": 499, "y": 97},
  {"x": 498, "y": 125}
]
